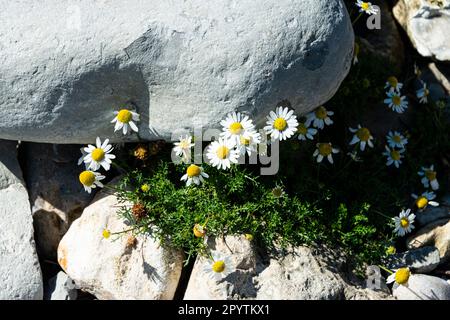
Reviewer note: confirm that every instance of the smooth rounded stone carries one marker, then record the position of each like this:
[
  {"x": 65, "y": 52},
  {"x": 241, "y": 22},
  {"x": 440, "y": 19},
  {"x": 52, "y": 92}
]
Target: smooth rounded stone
[
  {"x": 56, "y": 195},
  {"x": 296, "y": 274},
  {"x": 423, "y": 287},
  {"x": 181, "y": 64},
  {"x": 122, "y": 266},
  {"x": 435, "y": 234},
  {"x": 20, "y": 272},
  {"x": 422, "y": 260},
  {"x": 431, "y": 214},
  {"x": 427, "y": 26},
  {"x": 61, "y": 287}
]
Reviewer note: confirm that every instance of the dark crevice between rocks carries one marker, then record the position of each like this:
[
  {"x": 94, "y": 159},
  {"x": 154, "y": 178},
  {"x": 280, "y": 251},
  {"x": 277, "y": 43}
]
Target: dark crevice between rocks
[{"x": 184, "y": 279}]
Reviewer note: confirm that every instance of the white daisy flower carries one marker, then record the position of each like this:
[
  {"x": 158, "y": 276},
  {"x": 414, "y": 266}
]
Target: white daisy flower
[
  {"x": 425, "y": 199},
  {"x": 281, "y": 124},
  {"x": 393, "y": 85},
  {"x": 125, "y": 118},
  {"x": 235, "y": 125},
  {"x": 393, "y": 156},
  {"x": 248, "y": 142},
  {"x": 90, "y": 180},
  {"x": 319, "y": 118},
  {"x": 396, "y": 102},
  {"x": 83, "y": 154},
  {"x": 366, "y": 7},
  {"x": 325, "y": 150},
  {"x": 99, "y": 155},
  {"x": 222, "y": 153},
  {"x": 396, "y": 140},
  {"x": 305, "y": 133},
  {"x": 194, "y": 174},
  {"x": 404, "y": 222},
  {"x": 183, "y": 148},
  {"x": 400, "y": 276},
  {"x": 361, "y": 136},
  {"x": 423, "y": 93},
  {"x": 429, "y": 178},
  {"x": 219, "y": 268}
]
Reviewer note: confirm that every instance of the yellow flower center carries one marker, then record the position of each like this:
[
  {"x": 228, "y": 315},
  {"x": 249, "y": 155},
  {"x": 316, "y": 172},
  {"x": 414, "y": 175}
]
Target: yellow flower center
[
  {"x": 218, "y": 266},
  {"x": 193, "y": 171},
  {"x": 431, "y": 175},
  {"x": 280, "y": 124},
  {"x": 106, "y": 233},
  {"x": 245, "y": 141},
  {"x": 404, "y": 222},
  {"x": 402, "y": 275},
  {"x": 395, "y": 155},
  {"x": 421, "y": 202},
  {"x": 321, "y": 113},
  {"x": 396, "y": 100},
  {"x": 391, "y": 250},
  {"x": 325, "y": 149},
  {"x": 302, "y": 129},
  {"x": 365, "y": 6},
  {"x": 124, "y": 116},
  {"x": 222, "y": 152},
  {"x": 363, "y": 134},
  {"x": 249, "y": 236},
  {"x": 145, "y": 188},
  {"x": 236, "y": 128},
  {"x": 98, "y": 154},
  {"x": 87, "y": 178},
  {"x": 199, "y": 231},
  {"x": 397, "y": 139},
  {"x": 393, "y": 82}
]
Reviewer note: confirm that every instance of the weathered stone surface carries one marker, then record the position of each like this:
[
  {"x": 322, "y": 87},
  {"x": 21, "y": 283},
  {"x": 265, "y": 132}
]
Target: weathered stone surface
[
  {"x": 61, "y": 287},
  {"x": 20, "y": 273},
  {"x": 121, "y": 267},
  {"x": 180, "y": 63},
  {"x": 427, "y": 24},
  {"x": 57, "y": 198},
  {"x": 422, "y": 260},
  {"x": 297, "y": 274},
  {"x": 431, "y": 214},
  {"x": 423, "y": 287},
  {"x": 436, "y": 234}
]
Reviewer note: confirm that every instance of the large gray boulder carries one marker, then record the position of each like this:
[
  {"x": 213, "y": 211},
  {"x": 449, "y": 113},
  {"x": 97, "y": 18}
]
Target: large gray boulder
[
  {"x": 66, "y": 66},
  {"x": 20, "y": 272}
]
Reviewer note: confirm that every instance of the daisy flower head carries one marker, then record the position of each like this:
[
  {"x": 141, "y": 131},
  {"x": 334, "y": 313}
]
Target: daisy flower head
[
  {"x": 404, "y": 222},
  {"x": 400, "y": 276},
  {"x": 396, "y": 102},
  {"x": 304, "y": 132},
  {"x": 194, "y": 174},
  {"x": 361, "y": 136},
  {"x": 183, "y": 147},
  {"x": 281, "y": 124},
  {"x": 83, "y": 154},
  {"x": 222, "y": 153},
  {"x": 394, "y": 156},
  {"x": 366, "y": 7},
  {"x": 393, "y": 85},
  {"x": 99, "y": 155},
  {"x": 423, "y": 93},
  {"x": 325, "y": 150},
  {"x": 429, "y": 178},
  {"x": 219, "y": 268},
  {"x": 424, "y": 200},
  {"x": 248, "y": 142},
  {"x": 235, "y": 125},
  {"x": 319, "y": 118},
  {"x": 90, "y": 180},
  {"x": 124, "y": 118},
  {"x": 396, "y": 140},
  {"x": 278, "y": 192}
]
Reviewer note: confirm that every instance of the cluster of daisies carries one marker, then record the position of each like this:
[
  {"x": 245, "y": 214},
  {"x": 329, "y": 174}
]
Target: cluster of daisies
[
  {"x": 403, "y": 224},
  {"x": 98, "y": 156}
]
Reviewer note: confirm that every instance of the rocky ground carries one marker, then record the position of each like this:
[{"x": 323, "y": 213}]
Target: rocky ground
[{"x": 50, "y": 246}]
